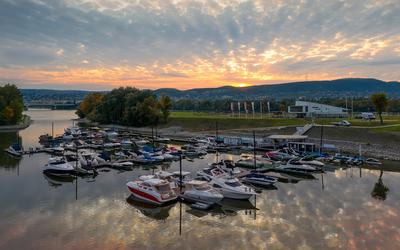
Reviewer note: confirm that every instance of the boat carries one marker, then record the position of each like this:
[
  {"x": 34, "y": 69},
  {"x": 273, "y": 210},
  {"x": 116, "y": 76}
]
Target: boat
[
  {"x": 59, "y": 166},
  {"x": 310, "y": 161},
  {"x": 88, "y": 159},
  {"x": 259, "y": 179},
  {"x": 228, "y": 166},
  {"x": 124, "y": 165},
  {"x": 296, "y": 167},
  {"x": 373, "y": 161},
  {"x": 212, "y": 172},
  {"x": 14, "y": 150},
  {"x": 154, "y": 191},
  {"x": 200, "y": 192},
  {"x": 231, "y": 187},
  {"x": 248, "y": 162},
  {"x": 126, "y": 143},
  {"x": 161, "y": 139}
]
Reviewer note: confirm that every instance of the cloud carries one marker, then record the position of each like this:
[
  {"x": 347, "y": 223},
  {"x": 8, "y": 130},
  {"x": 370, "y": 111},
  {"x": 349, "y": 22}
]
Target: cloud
[{"x": 208, "y": 42}]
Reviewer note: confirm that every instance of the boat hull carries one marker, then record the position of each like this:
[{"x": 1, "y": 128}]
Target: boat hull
[
  {"x": 196, "y": 197},
  {"x": 147, "y": 197}
]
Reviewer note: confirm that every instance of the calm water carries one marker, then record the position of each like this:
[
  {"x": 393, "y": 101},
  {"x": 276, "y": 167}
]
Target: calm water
[{"x": 345, "y": 209}]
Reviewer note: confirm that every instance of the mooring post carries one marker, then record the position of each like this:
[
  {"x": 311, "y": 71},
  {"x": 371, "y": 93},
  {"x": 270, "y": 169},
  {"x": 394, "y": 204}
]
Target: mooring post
[
  {"x": 254, "y": 149},
  {"x": 180, "y": 173}
]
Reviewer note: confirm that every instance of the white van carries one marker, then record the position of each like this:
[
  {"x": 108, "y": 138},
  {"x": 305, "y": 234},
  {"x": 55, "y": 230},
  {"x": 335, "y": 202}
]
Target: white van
[{"x": 366, "y": 116}]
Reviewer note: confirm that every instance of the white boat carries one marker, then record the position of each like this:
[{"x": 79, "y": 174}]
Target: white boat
[
  {"x": 125, "y": 165},
  {"x": 153, "y": 191},
  {"x": 59, "y": 166},
  {"x": 310, "y": 161},
  {"x": 14, "y": 149},
  {"x": 232, "y": 188},
  {"x": 259, "y": 179},
  {"x": 89, "y": 159},
  {"x": 228, "y": 166},
  {"x": 296, "y": 167},
  {"x": 162, "y": 139},
  {"x": 373, "y": 161},
  {"x": 212, "y": 172},
  {"x": 200, "y": 191},
  {"x": 141, "y": 142},
  {"x": 126, "y": 143}
]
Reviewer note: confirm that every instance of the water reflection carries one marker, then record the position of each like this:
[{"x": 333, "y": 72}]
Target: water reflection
[
  {"x": 149, "y": 210},
  {"x": 56, "y": 181},
  {"x": 7, "y": 161},
  {"x": 380, "y": 190}
]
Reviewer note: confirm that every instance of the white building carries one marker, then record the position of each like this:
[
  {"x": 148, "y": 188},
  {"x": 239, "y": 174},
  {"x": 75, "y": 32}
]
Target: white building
[{"x": 312, "y": 109}]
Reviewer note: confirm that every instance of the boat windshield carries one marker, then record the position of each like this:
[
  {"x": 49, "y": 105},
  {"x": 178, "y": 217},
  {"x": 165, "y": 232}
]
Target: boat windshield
[
  {"x": 164, "y": 188},
  {"x": 233, "y": 184},
  {"x": 203, "y": 187}
]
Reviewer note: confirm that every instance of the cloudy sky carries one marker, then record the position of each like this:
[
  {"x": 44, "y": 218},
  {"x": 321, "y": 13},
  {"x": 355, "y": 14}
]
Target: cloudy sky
[{"x": 101, "y": 44}]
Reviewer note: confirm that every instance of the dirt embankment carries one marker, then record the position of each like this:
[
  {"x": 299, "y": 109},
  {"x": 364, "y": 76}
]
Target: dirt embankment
[{"x": 383, "y": 145}]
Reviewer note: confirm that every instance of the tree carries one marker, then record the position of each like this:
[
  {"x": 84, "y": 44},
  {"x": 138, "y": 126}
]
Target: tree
[
  {"x": 126, "y": 106},
  {"x": 380, "y": 102},
  {"x": 87, "y": 108},
  {"x": 165, "y": 104},
  {"x": 11, "y": 104}
]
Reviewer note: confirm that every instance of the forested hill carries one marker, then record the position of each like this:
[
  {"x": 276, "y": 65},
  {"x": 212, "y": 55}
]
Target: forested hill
[
  {"x": 32, "y": 95},
  {"x": 356, "y": 87}
]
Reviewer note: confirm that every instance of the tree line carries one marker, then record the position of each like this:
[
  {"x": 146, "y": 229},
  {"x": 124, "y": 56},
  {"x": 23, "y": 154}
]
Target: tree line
[
  {"x": 11, "y": 105},
  {"x": 364, "y": 104},
  {"x": 125, "y": 106}
]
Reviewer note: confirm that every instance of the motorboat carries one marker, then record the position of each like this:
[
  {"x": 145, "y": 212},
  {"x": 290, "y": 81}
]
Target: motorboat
[
  {"x": 88, "y": 159},
  {"x": 212, "y": 172},
  {"x": 310, "y": 161},
  {"x": 373, "y": 161},
  {"x": 154, "y": 191},
  {"x": 296, "y": 167},
  {"x": 200, "y": 192},
  {"x": 259, "y": 179},
  {"x": 231, "y": 187},
  {"x": 124, "y": 165},
  {"x": 248, "y": 162},
  {"x": 59, "y": 166},
  {"x": 14, "y": 150},
  {"x": 228, "y": 166},
  {"x": 126, "y": 143},
  {"x": 161, "y": 139}
]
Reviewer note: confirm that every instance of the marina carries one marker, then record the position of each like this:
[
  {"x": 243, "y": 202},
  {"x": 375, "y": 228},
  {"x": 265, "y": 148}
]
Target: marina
[{"x": 277, "y": 208}]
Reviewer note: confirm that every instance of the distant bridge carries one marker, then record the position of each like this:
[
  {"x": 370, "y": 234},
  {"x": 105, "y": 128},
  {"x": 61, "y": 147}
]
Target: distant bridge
[{"x": 53, "y": 106}]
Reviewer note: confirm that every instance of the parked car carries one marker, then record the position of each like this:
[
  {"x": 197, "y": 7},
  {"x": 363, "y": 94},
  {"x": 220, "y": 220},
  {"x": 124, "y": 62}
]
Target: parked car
[{"x": 343, "y": 123}]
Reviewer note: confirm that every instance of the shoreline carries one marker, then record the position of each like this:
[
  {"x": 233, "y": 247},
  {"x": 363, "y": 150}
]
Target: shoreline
[{"x": 27, "y": 121}]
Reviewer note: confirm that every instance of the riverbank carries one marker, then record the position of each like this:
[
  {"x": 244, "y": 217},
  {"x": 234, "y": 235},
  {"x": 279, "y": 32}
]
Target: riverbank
[{"x": 26, "y": 122}]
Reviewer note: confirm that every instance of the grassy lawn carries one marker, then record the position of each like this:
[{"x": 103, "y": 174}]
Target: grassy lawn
[{"x": 204, "y": 121}]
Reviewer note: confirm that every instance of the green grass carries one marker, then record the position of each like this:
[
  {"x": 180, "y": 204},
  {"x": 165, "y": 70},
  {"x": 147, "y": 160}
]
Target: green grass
[{"x": 205, "y": 121}]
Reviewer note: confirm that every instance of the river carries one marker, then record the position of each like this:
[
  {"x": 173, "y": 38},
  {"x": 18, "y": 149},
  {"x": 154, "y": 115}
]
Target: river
[{"x": 350, "y": 208}]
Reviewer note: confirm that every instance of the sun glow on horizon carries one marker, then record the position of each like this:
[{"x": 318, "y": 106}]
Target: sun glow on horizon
[{"x": 241, "y": 85}]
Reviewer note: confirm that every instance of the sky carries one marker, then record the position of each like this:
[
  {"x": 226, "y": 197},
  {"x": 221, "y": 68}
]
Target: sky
[{"x": 102, "y": 44}]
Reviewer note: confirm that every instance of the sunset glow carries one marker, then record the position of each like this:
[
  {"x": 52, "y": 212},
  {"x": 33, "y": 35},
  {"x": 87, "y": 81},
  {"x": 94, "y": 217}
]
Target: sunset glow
[{"x": 189, "y": 44}]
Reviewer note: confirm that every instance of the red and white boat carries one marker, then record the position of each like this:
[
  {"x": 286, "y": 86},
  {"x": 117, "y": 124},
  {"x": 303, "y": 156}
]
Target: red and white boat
[{"x": 154, "y": 191}]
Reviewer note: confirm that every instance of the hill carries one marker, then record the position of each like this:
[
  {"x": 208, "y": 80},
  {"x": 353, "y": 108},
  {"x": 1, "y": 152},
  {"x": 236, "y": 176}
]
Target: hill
[{"x": 356, "y": 87}]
